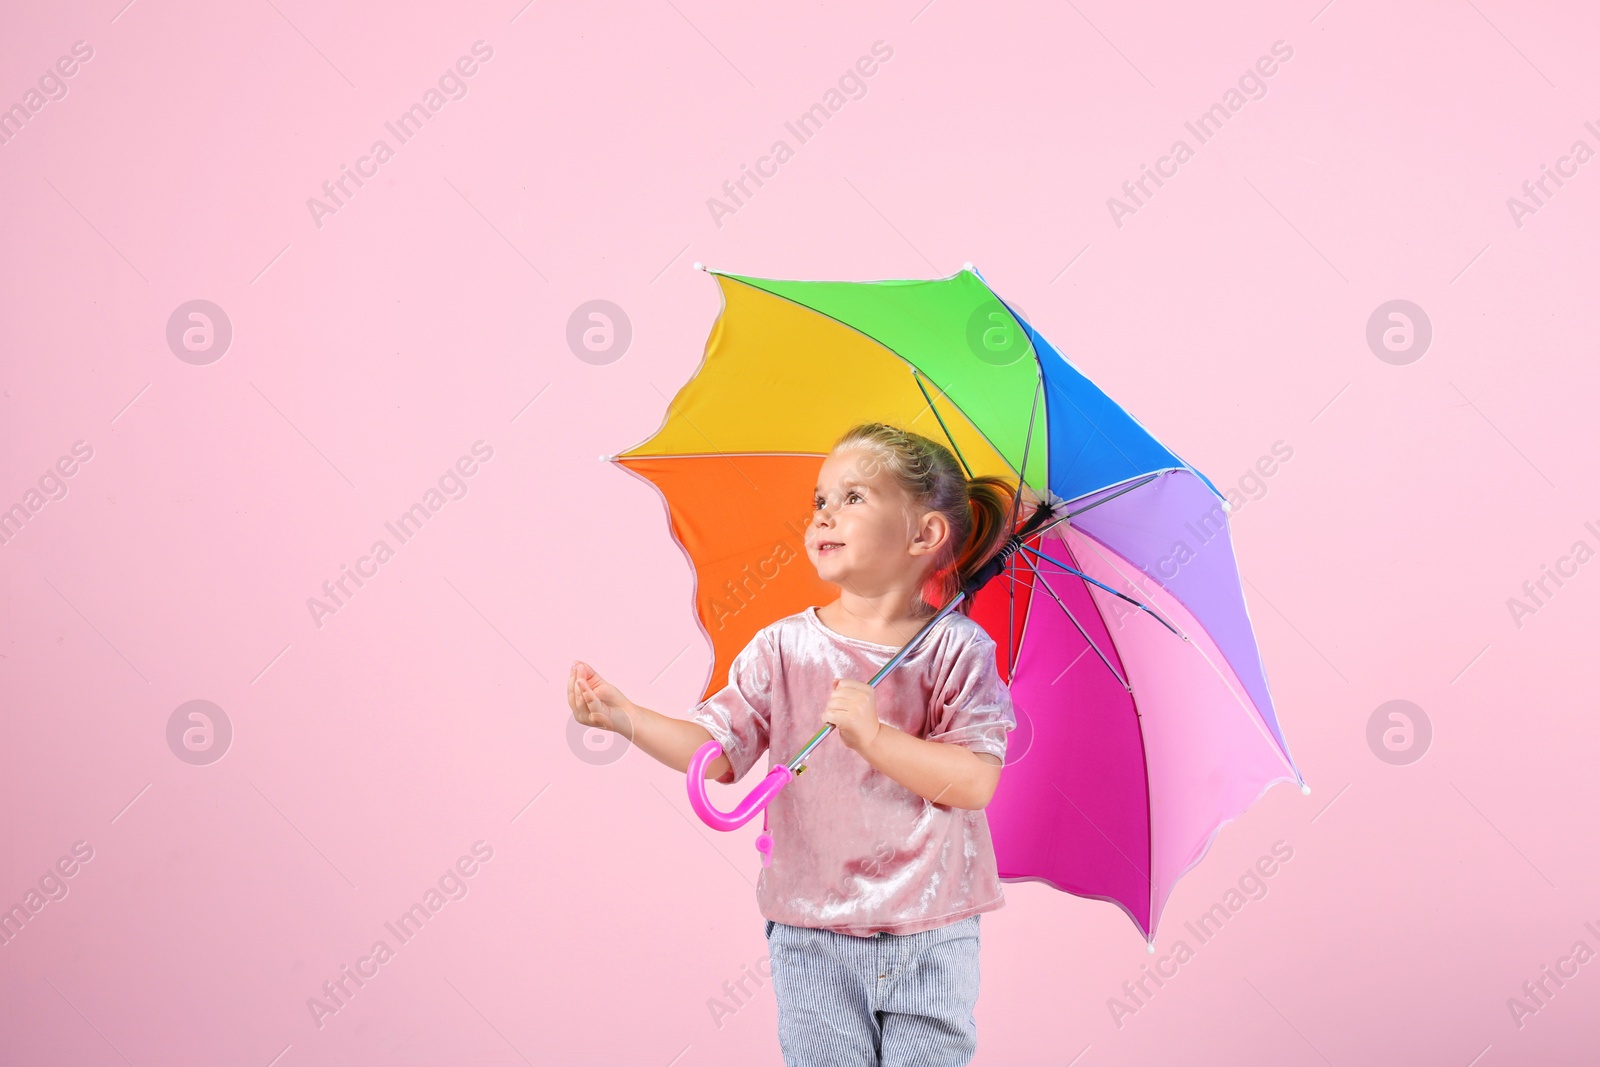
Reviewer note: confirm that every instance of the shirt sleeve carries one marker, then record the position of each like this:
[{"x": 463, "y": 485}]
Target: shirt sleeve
[
  {"x": 974, "y": 706},
  {"x": 739, "y": 715}
]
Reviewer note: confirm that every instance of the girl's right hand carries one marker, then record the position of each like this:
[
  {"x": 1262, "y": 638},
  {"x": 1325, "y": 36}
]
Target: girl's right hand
[{"x": 596, "y": 702}]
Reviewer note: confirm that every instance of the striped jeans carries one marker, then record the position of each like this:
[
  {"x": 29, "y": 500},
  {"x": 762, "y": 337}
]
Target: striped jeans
[{"x": 889, "y": 1000}]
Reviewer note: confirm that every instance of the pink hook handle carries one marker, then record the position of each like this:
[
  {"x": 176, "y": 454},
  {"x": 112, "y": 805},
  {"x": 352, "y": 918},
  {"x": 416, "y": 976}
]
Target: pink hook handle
[{"x": 746, "y": 809}]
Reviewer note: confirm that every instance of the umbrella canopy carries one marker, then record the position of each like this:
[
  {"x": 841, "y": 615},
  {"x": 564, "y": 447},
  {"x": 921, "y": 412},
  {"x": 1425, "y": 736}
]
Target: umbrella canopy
[{"x": 1142, "y": 727}]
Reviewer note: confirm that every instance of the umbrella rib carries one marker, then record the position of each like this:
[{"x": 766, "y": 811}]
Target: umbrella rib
[
  {"x": 1011, "y": 623},
  {"x": 1038, "y": 387},
  {"x": 1039, "y": 579},
  {"x": 987, "y": 440},
  {"x": 1027, "y": 445},
  {"x": 1016, "y": 507},
  {"x": 1114, "y": 592},
  {"x": 1009, "y": 574},
  {"x": 1011, "y": 591},
  {"x": 917, "y": 377},
  {"x": 1153, "y": 474},
  {"x": 1243, "y": 700},
  {"x": 1119, "y": 492},
  {"x": 1090, "y": 419},
  {"x": 1047, "y": 527}
]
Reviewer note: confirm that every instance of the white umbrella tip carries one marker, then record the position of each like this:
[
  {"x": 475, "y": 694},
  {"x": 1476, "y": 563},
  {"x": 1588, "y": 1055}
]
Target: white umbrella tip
[
  {"x": 1150, "y": 947},
  {"x": 699, "y": 265},
  {"x": 1226, "y": 506},
  {"x": 1305, "y": 790},
  {"x": 967, "y": 265}
]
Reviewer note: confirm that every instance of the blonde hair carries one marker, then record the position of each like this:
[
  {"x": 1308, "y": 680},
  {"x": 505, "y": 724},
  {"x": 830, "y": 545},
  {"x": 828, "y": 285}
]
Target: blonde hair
[{"x": 978, "y": 509}]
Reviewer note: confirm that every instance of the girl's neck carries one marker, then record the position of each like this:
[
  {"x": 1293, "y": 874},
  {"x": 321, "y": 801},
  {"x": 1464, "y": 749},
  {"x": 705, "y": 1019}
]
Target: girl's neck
[{"x": 883, "y": 622}]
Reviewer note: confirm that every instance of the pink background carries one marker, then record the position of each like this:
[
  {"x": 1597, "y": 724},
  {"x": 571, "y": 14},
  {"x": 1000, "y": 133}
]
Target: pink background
[{"x": 370, "y": 752}]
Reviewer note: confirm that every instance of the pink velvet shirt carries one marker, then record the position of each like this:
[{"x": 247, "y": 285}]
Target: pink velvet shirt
[{"x": 854, "y": 850}]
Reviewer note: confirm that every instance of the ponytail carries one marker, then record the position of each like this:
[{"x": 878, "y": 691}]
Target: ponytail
[{"x": 990, "y": 500}]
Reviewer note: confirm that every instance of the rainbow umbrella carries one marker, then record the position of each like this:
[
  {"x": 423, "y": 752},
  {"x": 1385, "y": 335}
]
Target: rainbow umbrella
[{"x": 1144, "y": 722}]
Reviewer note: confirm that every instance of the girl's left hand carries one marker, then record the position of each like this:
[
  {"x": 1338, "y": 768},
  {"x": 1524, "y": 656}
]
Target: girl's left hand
[{"x": 853, "y": 708}]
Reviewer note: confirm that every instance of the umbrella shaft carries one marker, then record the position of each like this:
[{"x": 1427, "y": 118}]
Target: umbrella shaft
[{"x": 798, "y": 763}]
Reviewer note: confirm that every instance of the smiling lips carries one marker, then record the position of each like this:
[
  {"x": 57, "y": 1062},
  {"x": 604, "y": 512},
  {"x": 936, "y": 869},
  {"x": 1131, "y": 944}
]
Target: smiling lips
[{"x": 828, "y": 546}]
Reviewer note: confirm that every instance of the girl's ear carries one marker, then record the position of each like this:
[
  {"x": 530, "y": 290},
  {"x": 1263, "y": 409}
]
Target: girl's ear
[{"x": 931, "y": 532}]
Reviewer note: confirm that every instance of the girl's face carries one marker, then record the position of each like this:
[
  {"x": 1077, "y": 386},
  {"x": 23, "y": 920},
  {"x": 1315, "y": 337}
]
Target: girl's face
[{"x": 861, "y": 534}]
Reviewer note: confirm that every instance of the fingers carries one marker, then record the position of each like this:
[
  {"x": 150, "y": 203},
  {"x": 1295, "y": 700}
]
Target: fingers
[
  {"x": 599, "y": 711},
  {"x": 591, "y": 713},
  {"x": 580, "y": 697},
  {"x": 588, "y": 676},
  {"x": 580, "y": 692},
  {"x": 574, "y": 698},
  {"x": 851, "y": 701}
]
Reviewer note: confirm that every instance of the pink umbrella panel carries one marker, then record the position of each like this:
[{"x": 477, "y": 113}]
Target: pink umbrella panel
[{"x": 1154, "y": 740}]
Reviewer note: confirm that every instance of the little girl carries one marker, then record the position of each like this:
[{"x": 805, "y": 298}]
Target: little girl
[{"x": 881, "y": 861}]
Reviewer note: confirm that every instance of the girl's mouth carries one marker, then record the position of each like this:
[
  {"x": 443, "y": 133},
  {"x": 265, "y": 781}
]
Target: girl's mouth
[{"x": 825, "y": 547}]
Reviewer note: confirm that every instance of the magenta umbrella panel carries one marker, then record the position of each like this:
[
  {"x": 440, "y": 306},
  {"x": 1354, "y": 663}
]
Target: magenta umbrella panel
[{"x": 1144, "y": 720}]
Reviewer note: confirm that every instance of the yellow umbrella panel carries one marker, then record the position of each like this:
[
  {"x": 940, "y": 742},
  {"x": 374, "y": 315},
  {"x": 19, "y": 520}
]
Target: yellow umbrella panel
[{"x": 737, "y": 455}]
